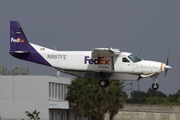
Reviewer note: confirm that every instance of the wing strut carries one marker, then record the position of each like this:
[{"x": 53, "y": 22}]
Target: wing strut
[{"x": 112, "y": 63}]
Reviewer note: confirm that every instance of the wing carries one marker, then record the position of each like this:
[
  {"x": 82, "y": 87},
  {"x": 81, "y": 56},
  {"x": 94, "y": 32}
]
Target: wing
[
  {"x": 105, "y": 52},
  {"x": 99, "y": 75}
]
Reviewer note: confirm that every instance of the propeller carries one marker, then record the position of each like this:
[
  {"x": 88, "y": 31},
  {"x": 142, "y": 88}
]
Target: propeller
[{"x": 167, "y": 67}]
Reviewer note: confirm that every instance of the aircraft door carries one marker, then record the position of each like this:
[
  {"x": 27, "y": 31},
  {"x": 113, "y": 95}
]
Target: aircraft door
[{"x": 127, "y": 65}]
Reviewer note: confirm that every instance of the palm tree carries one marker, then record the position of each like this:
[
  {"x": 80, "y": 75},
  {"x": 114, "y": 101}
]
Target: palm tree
[
  {"x": 116, "y": 98},
  {"x": 86, "y": 98},
  {"x": 76, "y": 97}
]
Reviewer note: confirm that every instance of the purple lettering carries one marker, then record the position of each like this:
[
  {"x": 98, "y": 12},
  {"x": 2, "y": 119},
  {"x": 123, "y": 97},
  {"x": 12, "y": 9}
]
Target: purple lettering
[
  {"x": 91, "y": 61},
  {"x": 86, "y": 59},
  {"x": 99, "y": 60},
  {"x": 96, "y": 61}
]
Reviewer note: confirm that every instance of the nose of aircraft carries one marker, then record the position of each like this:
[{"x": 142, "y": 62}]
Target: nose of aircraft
[{"x": 167, "y": 67}]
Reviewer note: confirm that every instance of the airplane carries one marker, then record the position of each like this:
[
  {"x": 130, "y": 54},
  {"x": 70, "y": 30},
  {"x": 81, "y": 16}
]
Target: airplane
[{"x": 102, "y": 63}]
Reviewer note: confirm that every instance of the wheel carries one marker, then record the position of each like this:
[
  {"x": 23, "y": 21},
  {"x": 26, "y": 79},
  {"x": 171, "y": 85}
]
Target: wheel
[
  {"x": 155, "y": 86},
  {"x": 107, "y": 82},
  {"x": 103, "y": 83}
]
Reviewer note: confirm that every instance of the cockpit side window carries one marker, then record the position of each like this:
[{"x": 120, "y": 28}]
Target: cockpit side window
[
  {"x": 134, "y": 58},
  {"x": 124, "y": 59}
]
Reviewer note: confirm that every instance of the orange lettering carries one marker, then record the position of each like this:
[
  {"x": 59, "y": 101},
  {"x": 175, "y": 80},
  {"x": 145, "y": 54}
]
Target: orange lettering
[
  {"x": 107, "y": 62},
  {"x": 21, "y": 40},
  {"x": 100, "y": 60}
]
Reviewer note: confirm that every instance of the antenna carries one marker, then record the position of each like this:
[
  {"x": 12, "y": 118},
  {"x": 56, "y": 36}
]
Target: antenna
[{"x": 54, "y": 48}]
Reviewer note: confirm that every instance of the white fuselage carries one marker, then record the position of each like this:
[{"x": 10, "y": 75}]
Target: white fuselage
[{"x": 83, "y": 61}]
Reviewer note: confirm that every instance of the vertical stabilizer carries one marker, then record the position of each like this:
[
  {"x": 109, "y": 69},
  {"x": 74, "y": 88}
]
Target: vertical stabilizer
[
  {"x": 18, "y": 41},
  {"x": 21, "y": 48}
]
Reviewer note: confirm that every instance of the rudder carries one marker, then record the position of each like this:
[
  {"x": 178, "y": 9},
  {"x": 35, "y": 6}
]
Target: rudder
[
  {"x": 21, "y": 48},
  {"x": 18, "y": 40}
]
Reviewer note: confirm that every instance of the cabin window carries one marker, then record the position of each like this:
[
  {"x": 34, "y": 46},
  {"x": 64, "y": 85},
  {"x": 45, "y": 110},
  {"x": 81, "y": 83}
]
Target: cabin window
[
  {"x": 125, "y": 60},
  {"x": 134, "y": 58}
]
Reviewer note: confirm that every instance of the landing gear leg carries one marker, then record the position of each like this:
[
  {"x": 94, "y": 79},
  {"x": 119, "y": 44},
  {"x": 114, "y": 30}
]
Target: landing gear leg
[
  {"x": 103, "y": 83},
  {"x": 155, "y": 85}
]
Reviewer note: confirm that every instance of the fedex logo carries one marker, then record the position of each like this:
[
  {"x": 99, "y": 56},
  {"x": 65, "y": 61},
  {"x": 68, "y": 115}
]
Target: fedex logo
[
  {"x": 19, "y": 40},
  {"x": 99, "y": 60}
]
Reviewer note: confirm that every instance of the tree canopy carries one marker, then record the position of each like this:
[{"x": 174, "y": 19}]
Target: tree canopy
[
  {"x": 154, "y": 97},
  {"x": 87, "y": 99}
]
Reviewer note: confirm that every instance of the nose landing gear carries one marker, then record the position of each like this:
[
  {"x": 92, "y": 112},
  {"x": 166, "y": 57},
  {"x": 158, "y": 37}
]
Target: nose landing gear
[{"x": 155, "y": 85}]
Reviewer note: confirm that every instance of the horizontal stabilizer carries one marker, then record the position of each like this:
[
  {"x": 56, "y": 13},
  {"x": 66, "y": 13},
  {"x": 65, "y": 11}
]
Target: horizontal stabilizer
[{"x": 21, "y": 52}]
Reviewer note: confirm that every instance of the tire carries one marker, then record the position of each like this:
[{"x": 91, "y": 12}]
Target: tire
[
  {"x": 103, "y": 83},
  {"x": 107, "y": 82},
  {"x": 155, "y": 86}
]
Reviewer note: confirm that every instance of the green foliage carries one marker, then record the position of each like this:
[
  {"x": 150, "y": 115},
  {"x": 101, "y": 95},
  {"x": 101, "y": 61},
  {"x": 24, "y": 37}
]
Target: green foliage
[
  {"x": 155, "y": 93},
  {"x": 138, "y": 97},
  {"x": 157, "y": 101},
  {"x": 154, "y": 97},
  {"x": 86, "y": 98},
  {"x": 34, "y": 115},
  {"x": 160, "y": 101}
]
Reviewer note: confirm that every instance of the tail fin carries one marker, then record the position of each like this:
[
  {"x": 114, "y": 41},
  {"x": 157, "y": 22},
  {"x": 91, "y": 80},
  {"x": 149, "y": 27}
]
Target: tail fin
[
  {"x": 21, "y": 48},
  {"x": 18, "y": 40}
]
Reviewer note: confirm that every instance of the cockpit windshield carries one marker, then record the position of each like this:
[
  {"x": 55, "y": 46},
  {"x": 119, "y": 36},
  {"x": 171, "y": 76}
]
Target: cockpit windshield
[{"x": 134, "y": 58}]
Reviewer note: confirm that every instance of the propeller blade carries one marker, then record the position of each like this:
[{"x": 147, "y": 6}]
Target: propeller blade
[
  {"x": 165, "y": 73},
  {"x": 167, "y": 67},
  {"x": 167, "y": 62}
]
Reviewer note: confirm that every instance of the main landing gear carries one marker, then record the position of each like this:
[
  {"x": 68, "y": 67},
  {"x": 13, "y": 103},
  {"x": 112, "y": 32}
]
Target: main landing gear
[
  {"x": 103, "y": 83},
  {"x": 155, "y": 85}
]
